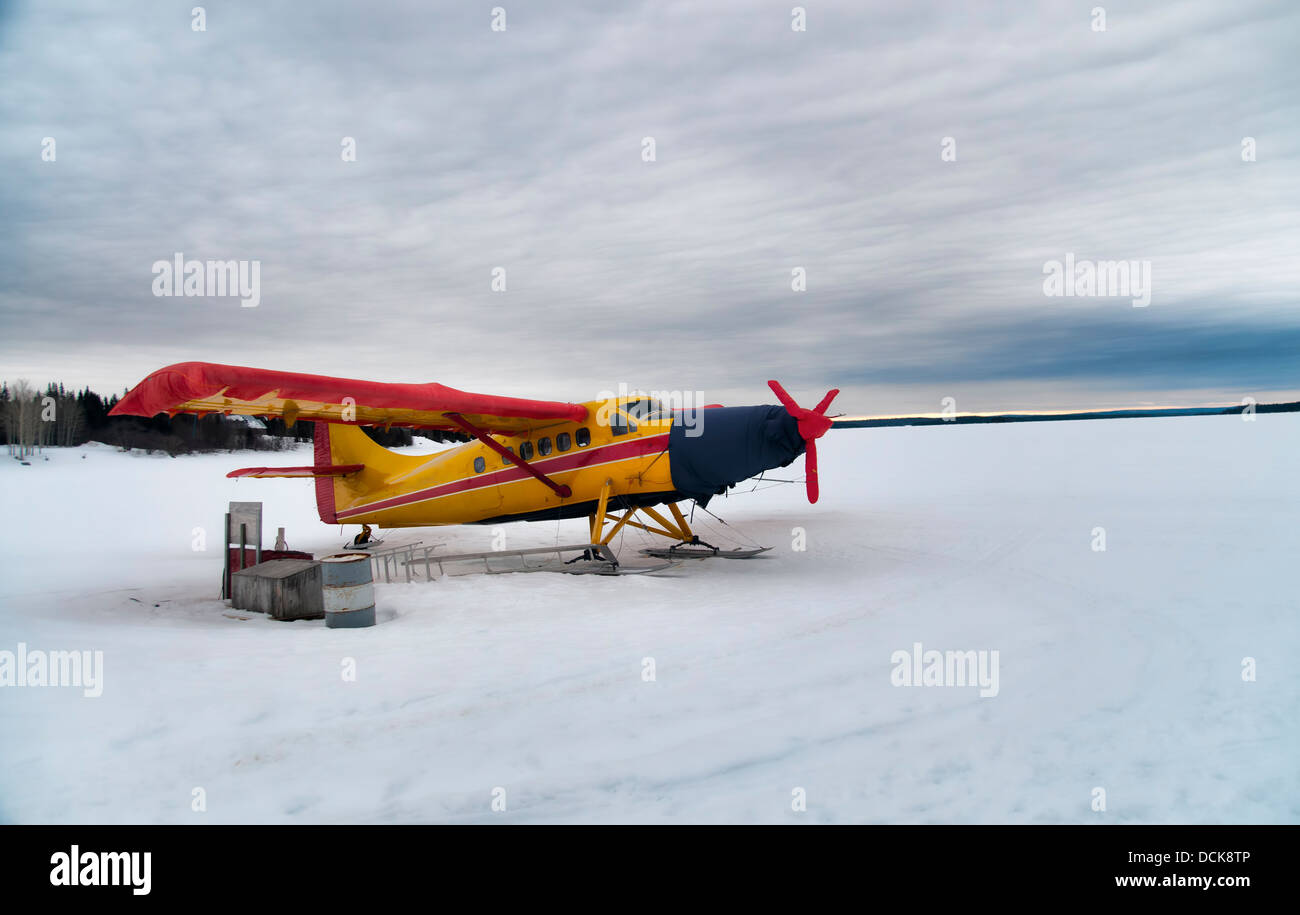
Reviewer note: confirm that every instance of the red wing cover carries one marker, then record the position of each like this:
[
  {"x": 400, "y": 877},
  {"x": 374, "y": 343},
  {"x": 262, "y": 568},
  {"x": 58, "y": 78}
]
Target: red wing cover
[{"x": 206, "y": 387}]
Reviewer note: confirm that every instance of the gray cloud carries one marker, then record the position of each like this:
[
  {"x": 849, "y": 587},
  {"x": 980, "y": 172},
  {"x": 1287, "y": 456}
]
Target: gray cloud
[{"x": 775, "y": 149}]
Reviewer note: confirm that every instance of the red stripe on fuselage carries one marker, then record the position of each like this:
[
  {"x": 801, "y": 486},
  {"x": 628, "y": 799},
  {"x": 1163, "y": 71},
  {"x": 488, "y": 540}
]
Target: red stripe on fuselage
[{"x": 620, "y": 451}]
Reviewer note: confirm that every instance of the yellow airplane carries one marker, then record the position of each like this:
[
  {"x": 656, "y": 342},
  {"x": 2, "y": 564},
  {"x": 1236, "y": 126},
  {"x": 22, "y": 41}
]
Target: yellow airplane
[
  {"x": 537, "y": 460},
  {"x": 525, "y": 460}
]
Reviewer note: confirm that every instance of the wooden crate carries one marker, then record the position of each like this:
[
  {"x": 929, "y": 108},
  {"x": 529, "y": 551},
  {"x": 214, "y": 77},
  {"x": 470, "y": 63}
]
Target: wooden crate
[{"x": 287, "y": 589}]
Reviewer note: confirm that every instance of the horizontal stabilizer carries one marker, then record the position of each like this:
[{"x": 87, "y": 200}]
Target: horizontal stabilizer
[{"x": 324, "y": 470}]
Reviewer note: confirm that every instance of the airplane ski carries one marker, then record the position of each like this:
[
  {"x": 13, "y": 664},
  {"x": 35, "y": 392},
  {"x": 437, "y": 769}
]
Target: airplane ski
[{"x": 701, "y": 551}]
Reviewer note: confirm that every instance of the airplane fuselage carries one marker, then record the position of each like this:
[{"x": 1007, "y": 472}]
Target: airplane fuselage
[{"x": 473, "y": 484}]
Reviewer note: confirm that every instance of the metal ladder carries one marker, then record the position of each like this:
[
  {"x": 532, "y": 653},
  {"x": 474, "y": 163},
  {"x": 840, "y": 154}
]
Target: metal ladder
[{"x": 405, "y": 562}]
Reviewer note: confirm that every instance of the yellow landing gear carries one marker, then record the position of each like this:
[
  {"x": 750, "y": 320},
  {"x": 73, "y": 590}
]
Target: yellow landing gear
[{"x": 687, "y": 544}]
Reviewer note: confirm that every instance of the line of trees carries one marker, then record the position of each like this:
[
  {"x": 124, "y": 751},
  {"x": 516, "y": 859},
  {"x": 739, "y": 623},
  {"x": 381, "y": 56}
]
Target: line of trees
[
  {"x": 56, "y": 417},
  {"x": 34, "y": 420}
]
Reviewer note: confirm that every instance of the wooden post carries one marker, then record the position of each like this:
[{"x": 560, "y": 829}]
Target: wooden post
[{"x": 225, "y": 561}]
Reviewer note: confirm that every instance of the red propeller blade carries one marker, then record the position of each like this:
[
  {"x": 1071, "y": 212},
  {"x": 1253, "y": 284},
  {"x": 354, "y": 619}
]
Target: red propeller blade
[
  {"x": 786, "y": 400},
  {"x": 826, "y": 401},
  {"x": 813, "y": 424},
  {"x": 810, "y": 470}
]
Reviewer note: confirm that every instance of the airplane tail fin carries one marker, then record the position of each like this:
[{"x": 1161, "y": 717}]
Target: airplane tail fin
[
  {"x": 346, "y": 446},
  {"x": 347, "y": 467}
]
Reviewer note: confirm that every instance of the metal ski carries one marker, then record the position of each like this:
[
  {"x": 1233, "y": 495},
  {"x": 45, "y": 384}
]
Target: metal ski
[
  {"x": 601, "y": 567},
  {"x": 701, "y": 550}
]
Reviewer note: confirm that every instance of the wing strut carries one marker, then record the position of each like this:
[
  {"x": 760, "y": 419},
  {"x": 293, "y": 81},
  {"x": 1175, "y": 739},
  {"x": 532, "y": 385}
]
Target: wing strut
[
  {"x": 560, "y": 489},
  {"x": 320, "y": 470}
]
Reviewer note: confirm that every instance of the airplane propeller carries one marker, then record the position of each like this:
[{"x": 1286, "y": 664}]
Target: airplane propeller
[{"x": 813, "y": 424}]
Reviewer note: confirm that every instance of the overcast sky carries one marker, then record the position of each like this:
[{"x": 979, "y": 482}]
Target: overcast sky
[{"x": 774, "y": 149}]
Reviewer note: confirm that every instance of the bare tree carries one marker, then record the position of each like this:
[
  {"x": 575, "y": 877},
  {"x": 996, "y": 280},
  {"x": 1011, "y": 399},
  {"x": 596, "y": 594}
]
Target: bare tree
[
  {"x": 70, "y": 421},
  {"x": 23, "y": 420}
]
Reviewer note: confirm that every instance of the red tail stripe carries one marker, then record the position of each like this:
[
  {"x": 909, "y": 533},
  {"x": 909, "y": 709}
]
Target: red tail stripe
[{"x": 324, "y": 485}]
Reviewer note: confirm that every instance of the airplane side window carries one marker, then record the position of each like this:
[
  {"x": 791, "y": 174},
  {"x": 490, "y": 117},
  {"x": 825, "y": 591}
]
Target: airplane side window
[
  {"x": 562, "y": 442},
  {"x": 504, "y": 459},
  {"x": 525, "y": 450},
  {"x": 584, "y": 437},
  {"x": 480, "y": 465},
  {"x": 544, "y": 445}
]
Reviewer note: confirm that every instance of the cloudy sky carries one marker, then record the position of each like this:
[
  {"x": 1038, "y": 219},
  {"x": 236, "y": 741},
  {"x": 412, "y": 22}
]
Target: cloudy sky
[{"x": 774, "y": 149}]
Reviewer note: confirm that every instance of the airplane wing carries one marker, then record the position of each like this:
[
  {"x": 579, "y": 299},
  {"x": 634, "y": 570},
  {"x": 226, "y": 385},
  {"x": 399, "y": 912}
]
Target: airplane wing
[
  {"x": 1032, "y": 416},
  {"x": 205, "y": 387}
]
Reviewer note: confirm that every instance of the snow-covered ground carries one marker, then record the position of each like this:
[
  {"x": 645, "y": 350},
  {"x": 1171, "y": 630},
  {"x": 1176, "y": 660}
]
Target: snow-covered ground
[{"x": 1119, "y": 669}]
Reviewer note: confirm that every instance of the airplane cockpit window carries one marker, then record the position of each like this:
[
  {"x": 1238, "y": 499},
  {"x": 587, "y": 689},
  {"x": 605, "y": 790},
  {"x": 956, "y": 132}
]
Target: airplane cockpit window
[
  {"x": 643, "y": 407},
  {"x": 620, "y": 424},
  {"x": 648, "y": 409},
  {"x": 662, "y": 415}
]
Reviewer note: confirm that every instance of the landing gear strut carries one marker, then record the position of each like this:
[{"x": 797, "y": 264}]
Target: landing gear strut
[{"x": 688, "y": 544}]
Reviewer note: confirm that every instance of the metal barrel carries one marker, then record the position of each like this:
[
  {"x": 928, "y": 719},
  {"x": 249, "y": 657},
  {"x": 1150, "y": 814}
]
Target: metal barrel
[{"x": 348, "y": 590}]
